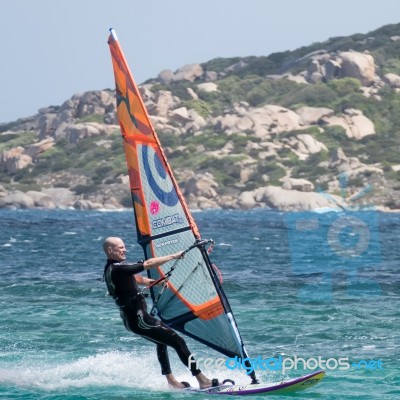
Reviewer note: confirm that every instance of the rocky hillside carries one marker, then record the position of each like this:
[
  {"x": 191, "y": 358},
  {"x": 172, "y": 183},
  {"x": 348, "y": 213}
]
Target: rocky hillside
[{"x": 316, "y": 127}]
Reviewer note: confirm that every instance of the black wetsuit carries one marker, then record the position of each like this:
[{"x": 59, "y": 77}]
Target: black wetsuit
[{"x": 121, "y": 284}]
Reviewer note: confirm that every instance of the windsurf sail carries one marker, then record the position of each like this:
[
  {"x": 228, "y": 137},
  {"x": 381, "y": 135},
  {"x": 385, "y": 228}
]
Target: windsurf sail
[{"x": 194, "y": 302}]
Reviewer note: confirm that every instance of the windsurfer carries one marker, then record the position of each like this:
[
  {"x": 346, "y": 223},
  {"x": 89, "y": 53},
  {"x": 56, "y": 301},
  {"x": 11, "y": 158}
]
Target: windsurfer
[{"x": 122, "y": 279}]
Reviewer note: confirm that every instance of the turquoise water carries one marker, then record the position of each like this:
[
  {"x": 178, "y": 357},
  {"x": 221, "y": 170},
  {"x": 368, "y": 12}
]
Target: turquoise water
[{"x": 61, "y": 337}]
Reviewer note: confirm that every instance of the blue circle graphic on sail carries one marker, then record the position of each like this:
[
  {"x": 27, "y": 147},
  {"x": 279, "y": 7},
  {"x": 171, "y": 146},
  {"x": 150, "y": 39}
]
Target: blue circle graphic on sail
[{"x": 168, "y": 198}]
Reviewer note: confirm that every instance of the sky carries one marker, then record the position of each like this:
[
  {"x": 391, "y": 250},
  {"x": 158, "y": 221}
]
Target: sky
[{"x": 53, "y": 49}]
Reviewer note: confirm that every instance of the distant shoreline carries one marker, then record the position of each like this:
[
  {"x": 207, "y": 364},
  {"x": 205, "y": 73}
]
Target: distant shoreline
[{"x": 119, "y": 210}]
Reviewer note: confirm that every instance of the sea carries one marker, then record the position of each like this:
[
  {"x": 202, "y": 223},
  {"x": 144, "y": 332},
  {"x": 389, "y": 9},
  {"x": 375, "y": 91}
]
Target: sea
[{"x": 308, "y": 290}]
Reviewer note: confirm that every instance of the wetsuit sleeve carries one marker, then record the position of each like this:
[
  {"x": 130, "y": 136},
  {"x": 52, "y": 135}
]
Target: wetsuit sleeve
[{"x": 127, "y": 269}]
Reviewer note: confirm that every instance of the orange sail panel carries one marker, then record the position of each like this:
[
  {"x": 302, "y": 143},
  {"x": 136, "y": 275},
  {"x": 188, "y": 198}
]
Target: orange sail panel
[
  {"x": 194, "y": 302},
  {"x": 138, "y": 131}
]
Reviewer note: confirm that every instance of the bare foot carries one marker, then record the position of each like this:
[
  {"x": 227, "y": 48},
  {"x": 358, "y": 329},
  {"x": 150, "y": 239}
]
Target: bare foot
[
  {"x": 204, "y": 382},
  {"x": 177, "y": 385},
  {"x": 173, "y": 383}
]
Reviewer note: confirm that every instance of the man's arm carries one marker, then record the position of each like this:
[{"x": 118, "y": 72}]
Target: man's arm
[
  {"x": 142, "y": 280},
  {"x": 158, "y": 261},
  {"x": 153, "y": 263},
  {"x": 128, "y": 268}
]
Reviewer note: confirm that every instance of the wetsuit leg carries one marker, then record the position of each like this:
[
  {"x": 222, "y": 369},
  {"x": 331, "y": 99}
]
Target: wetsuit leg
[
  {"x": 140, "y": 322},
  {"x": 163, "y": 359}
]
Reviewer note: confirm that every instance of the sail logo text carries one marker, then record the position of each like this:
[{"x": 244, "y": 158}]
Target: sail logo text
[
  {"x": 285, "y": 364},
  {"x": 167, "y": 243},
  {"x": 167, "y": 221}
]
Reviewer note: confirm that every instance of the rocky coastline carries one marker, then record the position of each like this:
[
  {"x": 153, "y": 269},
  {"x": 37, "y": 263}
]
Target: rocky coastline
[{"x": 255, "y": 142}]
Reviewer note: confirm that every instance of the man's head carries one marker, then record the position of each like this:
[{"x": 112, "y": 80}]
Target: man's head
[{"x": 114, "y": 248}]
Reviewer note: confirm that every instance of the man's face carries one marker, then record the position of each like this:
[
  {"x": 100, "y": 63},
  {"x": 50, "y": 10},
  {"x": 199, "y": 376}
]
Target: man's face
[{"x": 117, "y": 251}]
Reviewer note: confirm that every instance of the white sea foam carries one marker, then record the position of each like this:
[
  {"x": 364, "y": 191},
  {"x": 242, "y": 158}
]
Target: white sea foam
[
  {"x": 324, "y": 210},
  {"x": 106, "y": 210},
  {"x": 102, "y": 370},
  {"x": 129, "y": 370}
]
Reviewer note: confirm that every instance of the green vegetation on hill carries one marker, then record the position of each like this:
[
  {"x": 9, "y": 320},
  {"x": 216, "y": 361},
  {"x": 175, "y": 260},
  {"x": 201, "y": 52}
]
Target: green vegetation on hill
[
  {"x": 11, "y": 140},
  {"x": 98, "y": 163}
]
